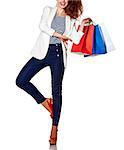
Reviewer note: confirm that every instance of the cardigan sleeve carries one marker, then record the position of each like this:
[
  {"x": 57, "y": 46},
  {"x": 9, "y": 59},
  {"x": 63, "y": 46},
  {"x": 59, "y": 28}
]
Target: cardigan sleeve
[
  {"x": 75, "y": 35},
  {"x": 43, "y": 22}
]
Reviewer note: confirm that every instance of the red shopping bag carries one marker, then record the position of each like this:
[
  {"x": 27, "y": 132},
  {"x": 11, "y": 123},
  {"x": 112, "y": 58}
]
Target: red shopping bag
[
  {"x": 88, "y": 41},
  {"x": 78, "y": 47}
]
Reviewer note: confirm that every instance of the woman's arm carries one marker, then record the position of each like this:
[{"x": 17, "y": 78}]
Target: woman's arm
[
  {"x": 43, "y": 22},
  {"x": 44, "y": 26},
  {"x": 75, "y": 35}
]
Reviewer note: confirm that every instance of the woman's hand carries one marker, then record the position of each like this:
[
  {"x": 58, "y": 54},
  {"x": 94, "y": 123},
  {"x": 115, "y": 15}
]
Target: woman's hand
[
  {"x": 85, "y": 22},
  {"x": 64, "y": 38},
  {"x": 60, "y": 36}
]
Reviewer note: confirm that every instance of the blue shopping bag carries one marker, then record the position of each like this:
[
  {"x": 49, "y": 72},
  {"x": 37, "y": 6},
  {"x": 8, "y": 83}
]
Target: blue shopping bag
[{"x": 99, "y": 46}]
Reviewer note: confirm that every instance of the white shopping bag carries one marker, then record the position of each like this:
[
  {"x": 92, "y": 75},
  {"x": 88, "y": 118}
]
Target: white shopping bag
[{"x": 109, "y": 44}]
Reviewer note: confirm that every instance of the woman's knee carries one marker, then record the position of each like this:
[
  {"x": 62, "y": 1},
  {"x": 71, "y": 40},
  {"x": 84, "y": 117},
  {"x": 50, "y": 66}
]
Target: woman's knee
[
  {"x": 24, "y": 74},
  {"x": 19, "y": 82}
]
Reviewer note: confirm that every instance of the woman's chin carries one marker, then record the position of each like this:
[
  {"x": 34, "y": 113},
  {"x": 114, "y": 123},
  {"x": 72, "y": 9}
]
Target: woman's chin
[{"x": 62, "y": 6}]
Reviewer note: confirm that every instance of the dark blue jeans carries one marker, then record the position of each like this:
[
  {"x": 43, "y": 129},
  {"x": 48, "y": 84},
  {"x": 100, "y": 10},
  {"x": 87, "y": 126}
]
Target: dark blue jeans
[{"x": 53, "y": 59}]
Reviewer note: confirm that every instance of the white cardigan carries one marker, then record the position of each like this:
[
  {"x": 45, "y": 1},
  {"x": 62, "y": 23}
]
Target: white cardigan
[{"x": 40, "y": 48}]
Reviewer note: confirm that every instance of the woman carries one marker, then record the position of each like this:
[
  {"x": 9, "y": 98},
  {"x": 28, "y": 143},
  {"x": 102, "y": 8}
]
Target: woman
[{"x": 58, "y": 27}]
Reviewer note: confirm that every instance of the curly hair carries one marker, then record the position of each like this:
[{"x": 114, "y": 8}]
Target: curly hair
[{"x": 74, "y": 8}]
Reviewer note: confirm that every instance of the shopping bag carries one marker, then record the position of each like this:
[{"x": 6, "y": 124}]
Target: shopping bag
[
  {"x": 88, "y": 41},
  {"x": 85, "y": 45},
  {"x": 106, "y": 38},
  {"x": 108, "y": 41},
  {"x": 78, "y": 47},
  {"x": 99, "y": 46}
]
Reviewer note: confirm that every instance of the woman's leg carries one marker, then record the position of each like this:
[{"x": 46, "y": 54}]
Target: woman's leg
[
  {"x": 32, "y": 67},
  {"x": 57, "y": 72}
]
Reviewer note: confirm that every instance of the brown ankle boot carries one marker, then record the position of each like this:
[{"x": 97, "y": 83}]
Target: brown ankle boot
[{"x": 52, "y": 139}]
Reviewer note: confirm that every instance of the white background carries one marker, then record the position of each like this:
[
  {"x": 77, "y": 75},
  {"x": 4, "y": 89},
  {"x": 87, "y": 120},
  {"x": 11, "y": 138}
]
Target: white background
[{"x": 92, "y": 116}]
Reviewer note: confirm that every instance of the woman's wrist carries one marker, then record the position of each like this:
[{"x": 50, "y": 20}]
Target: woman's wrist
[
  {"x": 61, "y": 36},
  {"x": 81, "y": 27}
]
